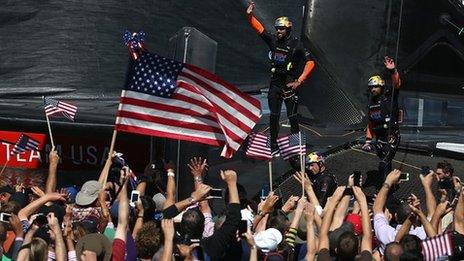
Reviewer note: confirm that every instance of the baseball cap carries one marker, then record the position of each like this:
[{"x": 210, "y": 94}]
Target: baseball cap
[
  {"x": 88, "y": 193},
  {"x": 268, "y": 239},
  {"x": 97, "y": 243},
  {"x": 72, "y": 192},
  {"x": 356, "y": 221}
]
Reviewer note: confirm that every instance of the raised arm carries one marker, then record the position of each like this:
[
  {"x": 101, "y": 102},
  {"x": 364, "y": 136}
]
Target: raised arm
[
  {"x": 123, "y": 211},
  {"x": 342, "y": 208},
  {"x": 170, "y": 189},
  {"x": 311, "y": 244},
  {"x": 441, "y": 210},
  {"x": 293, "y": 230},
  {"x": 257, "y": 26},
  {"x": 391, "y": 180},
  {"x": 60, "y": 248},
  {"x": 395, "y": 76},
  {"x": 404, "y": 230},
  {"x": 366, "y": 242},
  {"x": 168, "y": 230},
  {"x": 32, "y": 207},
  {"x": 430, "y": 201},
  {"x": 459, "y": 215},
  {"x": 327, "y": 220},
  {"x": 267, "y": 207},
  {"x": 429, "y": 230},
  {"x": 50, "y": 184}
]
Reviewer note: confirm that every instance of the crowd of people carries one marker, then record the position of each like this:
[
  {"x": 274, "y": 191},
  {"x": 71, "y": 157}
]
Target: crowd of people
[{"x": 101, "y": 220}]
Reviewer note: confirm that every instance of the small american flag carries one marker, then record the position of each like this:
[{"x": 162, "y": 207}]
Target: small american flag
[
  {"x": 166, "y": 98},
  {"x": 259, "y": 146},
  {"x": 24, "y": 143},
  {"x": 437, "y": 247},
  {"x": 289, "y": 145},
  {"x": 53, "y": 106}
]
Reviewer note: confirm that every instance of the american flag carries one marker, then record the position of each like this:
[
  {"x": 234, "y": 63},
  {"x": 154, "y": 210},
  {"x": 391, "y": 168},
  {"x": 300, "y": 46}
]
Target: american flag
[
  {"x": 438, "y": 246},
  {"x": 24, "y": 143},
  {"x": 259, "y": 146},
  {"x": 166, "y": 98},
  {"x": 289, "y": 145},
  {"x": 53, "y": 106}
]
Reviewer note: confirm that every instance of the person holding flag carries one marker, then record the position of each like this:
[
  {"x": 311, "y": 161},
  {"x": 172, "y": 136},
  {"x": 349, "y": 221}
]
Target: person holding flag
[{"x": 291, "y": 65}]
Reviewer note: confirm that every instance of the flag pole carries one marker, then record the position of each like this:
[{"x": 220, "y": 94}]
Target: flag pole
[
  {"x": 184, "y": 60},
  {"x": 302, "y": 169},
  {"x": 270, "y": 175},
  {"x": 48, "y": 124},
  {"x": 50, "y": 131},
  {"x": 110, "y": 153},
  {"x": 4, "y": 166}
]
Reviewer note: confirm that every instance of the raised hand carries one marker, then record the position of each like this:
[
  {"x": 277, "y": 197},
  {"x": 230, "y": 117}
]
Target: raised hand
[
  {"x": 229, "y": 176},
  {"x": 53, "y": 156},
  {"x": 201, "y": 193},
  {"x": 198, "y": 166},
  {"x": 389, "y": 63},
  {"x": 393, "y": 177},
  {"x": 427, "y": 179},
  {"x": 250, "y": 8},
  {"x": 290, "y": 204},
  {"x": 269, "y": 203},
  {"x": 167, "y": 225}
]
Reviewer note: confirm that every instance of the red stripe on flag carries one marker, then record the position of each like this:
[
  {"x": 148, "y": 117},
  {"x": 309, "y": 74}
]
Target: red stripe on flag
[{"x": 170, "y": 135}]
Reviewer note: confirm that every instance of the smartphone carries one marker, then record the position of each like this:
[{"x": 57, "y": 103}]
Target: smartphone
[
  {"x": 242, "y": 227},
  {"x": 357, "y": 178},
  {"x": 404, "y": 177},
  {"x": 264, "y": 192},
  {"x": 348, "y": 192},
  {"x": 5, "y": 217},
  {"x": 216, "y": 193},
  {"x": 41, "y": 220},
  {"x": 425, "y": 170},
  {"x": 135, "y": 195}
]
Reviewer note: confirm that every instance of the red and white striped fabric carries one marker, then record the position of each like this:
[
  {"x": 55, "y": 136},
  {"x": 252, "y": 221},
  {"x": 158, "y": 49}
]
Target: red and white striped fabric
[
  {"x": 259, "y": 146},
  {"x": 437, "y": 246},
  {"x": 166, "y": 98}
]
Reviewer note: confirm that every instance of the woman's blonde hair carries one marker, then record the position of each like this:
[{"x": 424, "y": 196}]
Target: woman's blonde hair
[{"x": 39, "y": 250}]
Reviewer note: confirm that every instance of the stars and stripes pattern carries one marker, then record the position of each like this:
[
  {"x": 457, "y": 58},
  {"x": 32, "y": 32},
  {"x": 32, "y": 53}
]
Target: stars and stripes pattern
[
  {"x": 259, "y": 146},
  {"x": 25, "y": 143},
  {"x": 166, "y": 98},
  {"x": 53, "y": 106},
  {"x": 289, "y": 145},
  {"x": 438, "y": 246}
]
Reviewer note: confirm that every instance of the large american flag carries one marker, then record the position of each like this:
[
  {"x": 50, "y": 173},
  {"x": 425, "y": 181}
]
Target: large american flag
[
  {"x": 53, "y": 106},
  {"x": 289, "y": 145},
  {"x": 259, "y": 146},
  {"x": 25, "y": 143},
  {"x": 166, "y": 98}
]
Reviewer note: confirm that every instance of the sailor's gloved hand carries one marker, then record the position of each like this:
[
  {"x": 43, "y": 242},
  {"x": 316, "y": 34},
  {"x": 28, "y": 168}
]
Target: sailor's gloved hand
[{"x": 367, "y": 146}]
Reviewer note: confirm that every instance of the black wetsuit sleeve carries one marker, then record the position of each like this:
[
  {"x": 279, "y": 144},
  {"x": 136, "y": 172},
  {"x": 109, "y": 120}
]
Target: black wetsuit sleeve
[
  {"x": 327, "y": 188},
  {"x": 267, "y": 37}
]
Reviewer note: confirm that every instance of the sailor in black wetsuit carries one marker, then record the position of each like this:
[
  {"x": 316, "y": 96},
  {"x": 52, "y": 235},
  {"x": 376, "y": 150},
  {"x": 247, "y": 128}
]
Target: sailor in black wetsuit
[
  {"x": 324, "y": 184},
  {"x": 382, "y": 116},
  {"x": 290, "y": 66}
]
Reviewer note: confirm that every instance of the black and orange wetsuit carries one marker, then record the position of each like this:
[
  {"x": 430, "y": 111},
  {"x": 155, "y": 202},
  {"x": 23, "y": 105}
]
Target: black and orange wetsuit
[
  {"x": 289, "y": 62},
  {"x": 382, "y": 114}
]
